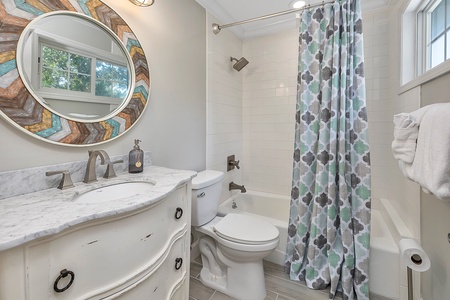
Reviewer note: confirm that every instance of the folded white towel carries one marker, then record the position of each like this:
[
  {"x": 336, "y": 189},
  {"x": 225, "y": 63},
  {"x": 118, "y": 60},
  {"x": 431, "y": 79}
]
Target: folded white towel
[
  {"x": 404, "y": 120},
  {"x": 406, "y": 132},
  {"x": 404, "y": 151},
  {"x": 431, "y": 165}
]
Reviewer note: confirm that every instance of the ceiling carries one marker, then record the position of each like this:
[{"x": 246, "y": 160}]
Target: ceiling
[{"x": 229, "y": 11}]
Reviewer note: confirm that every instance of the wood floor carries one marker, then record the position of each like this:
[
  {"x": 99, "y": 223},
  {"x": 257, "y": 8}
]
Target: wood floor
[{"x": 278, "y": 285}]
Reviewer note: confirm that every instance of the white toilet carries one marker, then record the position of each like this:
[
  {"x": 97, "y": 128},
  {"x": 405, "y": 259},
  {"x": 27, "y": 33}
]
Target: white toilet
[{"x": 232, "y": 247}]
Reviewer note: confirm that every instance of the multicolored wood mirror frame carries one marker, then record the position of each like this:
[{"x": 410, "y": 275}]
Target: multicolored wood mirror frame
[{"x": 19, "y": 107}]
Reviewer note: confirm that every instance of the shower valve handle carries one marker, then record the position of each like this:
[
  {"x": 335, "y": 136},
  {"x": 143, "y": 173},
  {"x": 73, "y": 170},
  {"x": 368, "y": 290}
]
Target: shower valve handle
[
  {"x": 236, "y": 164},
  {"x": 232, "y": 163}
]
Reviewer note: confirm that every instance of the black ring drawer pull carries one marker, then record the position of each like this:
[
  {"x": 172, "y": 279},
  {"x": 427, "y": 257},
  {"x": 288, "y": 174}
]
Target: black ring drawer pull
[
  {"x": 179, "y": 213},
  {"x": 178, "y": 263},
  {"x": 63, "y": 274}
]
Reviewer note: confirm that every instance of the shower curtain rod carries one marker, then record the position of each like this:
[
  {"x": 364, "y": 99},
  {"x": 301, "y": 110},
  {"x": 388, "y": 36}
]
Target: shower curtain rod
[{"x": 216, "y": 28}]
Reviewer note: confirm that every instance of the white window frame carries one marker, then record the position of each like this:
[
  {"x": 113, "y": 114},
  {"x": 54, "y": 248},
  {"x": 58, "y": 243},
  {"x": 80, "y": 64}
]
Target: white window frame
[
  {"x": 414, "y": 47},
  {"x": 44, "y": 38},
  {"x": 424, "y": 35}
]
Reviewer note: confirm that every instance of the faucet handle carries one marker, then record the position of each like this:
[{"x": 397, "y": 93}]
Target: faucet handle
[
  {"x": 236, "y": 164},
  {"x": 232, "y": 163},
  {"x": 110, "y": 173},
  {"x": 66, "y": 181}
]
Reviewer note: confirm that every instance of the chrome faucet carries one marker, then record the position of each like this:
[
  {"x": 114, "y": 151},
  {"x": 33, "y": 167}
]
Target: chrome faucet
[
  {"x": 90, "y": 175},
  {"x": 234, "y": 186}
]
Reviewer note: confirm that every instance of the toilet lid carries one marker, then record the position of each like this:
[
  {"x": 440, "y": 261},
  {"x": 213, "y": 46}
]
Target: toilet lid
[{"x": 246, "y": 229}]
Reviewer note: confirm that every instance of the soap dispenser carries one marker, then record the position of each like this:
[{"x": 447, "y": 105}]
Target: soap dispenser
[{"x": 136, "y": 159}]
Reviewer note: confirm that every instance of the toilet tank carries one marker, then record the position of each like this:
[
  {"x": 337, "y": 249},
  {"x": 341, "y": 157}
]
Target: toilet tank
[{"x": 206, "y": 188}]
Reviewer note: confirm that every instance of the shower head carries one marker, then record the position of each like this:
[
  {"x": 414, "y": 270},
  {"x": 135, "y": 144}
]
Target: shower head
[{"x": 240, "y": 64}]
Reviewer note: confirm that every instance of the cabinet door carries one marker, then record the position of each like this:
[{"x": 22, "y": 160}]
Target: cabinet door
[
  {"x": 106, "y": 257},
  {"x": 164, "y": 282}
]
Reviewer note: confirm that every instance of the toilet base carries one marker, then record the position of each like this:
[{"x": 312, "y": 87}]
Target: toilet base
[{"x": 244, "y": 281}]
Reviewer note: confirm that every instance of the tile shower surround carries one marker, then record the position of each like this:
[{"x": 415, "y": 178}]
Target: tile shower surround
[{"x": 19, "y": 182}]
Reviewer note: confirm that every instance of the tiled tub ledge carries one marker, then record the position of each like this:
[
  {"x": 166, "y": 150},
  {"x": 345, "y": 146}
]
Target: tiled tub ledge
[{"x": 35, "y": 215}]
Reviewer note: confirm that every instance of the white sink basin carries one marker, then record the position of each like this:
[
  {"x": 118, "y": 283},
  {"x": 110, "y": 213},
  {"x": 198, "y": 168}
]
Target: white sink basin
[{"x": 119, "y": 191}]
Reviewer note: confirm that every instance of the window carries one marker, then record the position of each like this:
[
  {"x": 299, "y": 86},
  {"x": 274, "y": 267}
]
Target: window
[
  {"x": 111, "y": 80},
  {"x": 73, "y": 73},
  {"x": 425, "y": 41},
  {"x": 65, "y": 70},
  {"x": 437, "y": 32}
]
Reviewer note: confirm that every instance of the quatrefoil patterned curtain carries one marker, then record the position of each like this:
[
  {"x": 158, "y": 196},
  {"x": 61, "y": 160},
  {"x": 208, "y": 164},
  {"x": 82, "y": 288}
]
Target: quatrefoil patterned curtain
[{"x": 329, "y": 226}]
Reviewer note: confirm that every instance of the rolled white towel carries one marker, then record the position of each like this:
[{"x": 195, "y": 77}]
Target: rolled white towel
[
  {"x": 431, "y": 165},
  {"x": 405, "y": 150},
  {"x": 404, "y": 120},
  {"x": 406, "y": 131}
]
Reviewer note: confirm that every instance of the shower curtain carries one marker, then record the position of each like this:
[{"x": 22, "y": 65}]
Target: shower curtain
[{"x": 329, "y": 224}]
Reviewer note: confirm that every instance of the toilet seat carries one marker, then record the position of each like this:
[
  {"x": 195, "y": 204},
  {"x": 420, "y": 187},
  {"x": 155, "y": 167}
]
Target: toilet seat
[
  {"x": 246, "y": 229},
  {"x": 233, "y": 242}
]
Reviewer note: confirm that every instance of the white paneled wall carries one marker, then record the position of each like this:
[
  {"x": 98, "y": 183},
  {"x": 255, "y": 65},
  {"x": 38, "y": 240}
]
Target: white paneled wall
[
  {"x": 270, "y": 88},
  {"x": 224, "y": 104}
]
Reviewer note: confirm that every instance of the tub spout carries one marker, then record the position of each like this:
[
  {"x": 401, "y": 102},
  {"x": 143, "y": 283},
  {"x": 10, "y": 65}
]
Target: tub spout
[{"x": 234, "y": 186}]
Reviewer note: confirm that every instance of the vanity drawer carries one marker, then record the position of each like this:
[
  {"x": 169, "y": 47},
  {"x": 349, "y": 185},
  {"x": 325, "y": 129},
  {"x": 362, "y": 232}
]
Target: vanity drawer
[
  {"x": 164, "y": 282},
  {"x": 109, "y": 254}
]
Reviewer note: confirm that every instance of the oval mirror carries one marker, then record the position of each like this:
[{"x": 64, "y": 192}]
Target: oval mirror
[
  {"x": 80, "y": 76},
  {"x": 75, "y": 66}
]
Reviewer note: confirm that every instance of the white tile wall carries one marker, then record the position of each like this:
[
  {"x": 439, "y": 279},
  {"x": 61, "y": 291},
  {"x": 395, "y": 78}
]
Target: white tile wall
[
  {"x": 404, "y": 194},
  {"x": 270, "y": 88},
  {"x": 382, "y": 46},
  {"x": 376, "y": 50},
  {"x": 224, "y": 104}
]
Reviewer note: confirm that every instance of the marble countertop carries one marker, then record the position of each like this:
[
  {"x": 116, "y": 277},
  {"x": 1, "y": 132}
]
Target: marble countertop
[{"x": 35, "y": 215}]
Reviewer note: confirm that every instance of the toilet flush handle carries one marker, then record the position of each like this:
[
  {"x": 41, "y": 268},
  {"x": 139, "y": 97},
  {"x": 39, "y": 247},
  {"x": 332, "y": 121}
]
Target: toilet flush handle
[{"x": 201, "y": 195}]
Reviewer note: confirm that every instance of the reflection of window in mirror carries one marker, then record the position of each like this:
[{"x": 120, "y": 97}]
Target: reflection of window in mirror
[
  {"x": 68, "y": 73},
  {"x": 111, "y": 80},
  {"x": 65, "y": 70},
  {"x": 79, "y": 70}
]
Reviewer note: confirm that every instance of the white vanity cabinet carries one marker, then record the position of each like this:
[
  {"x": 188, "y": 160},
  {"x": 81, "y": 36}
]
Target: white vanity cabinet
[{"x": 142, "y": 254}]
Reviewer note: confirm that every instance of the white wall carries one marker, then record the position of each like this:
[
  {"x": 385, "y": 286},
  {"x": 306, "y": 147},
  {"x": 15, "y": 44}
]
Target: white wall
[
  {"x": 269, "y": 98},
  {"x": 375, "y": 27},
  {"x": 224, "y": 105},
  {"x": 404, "y": 194},
  {"x": 173, "y": 127},
  {"x": 382, "y": 51}
]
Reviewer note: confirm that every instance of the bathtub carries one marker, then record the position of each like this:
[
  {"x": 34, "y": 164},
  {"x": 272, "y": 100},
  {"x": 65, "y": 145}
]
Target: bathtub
[{"x": 384, "y": 254}]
